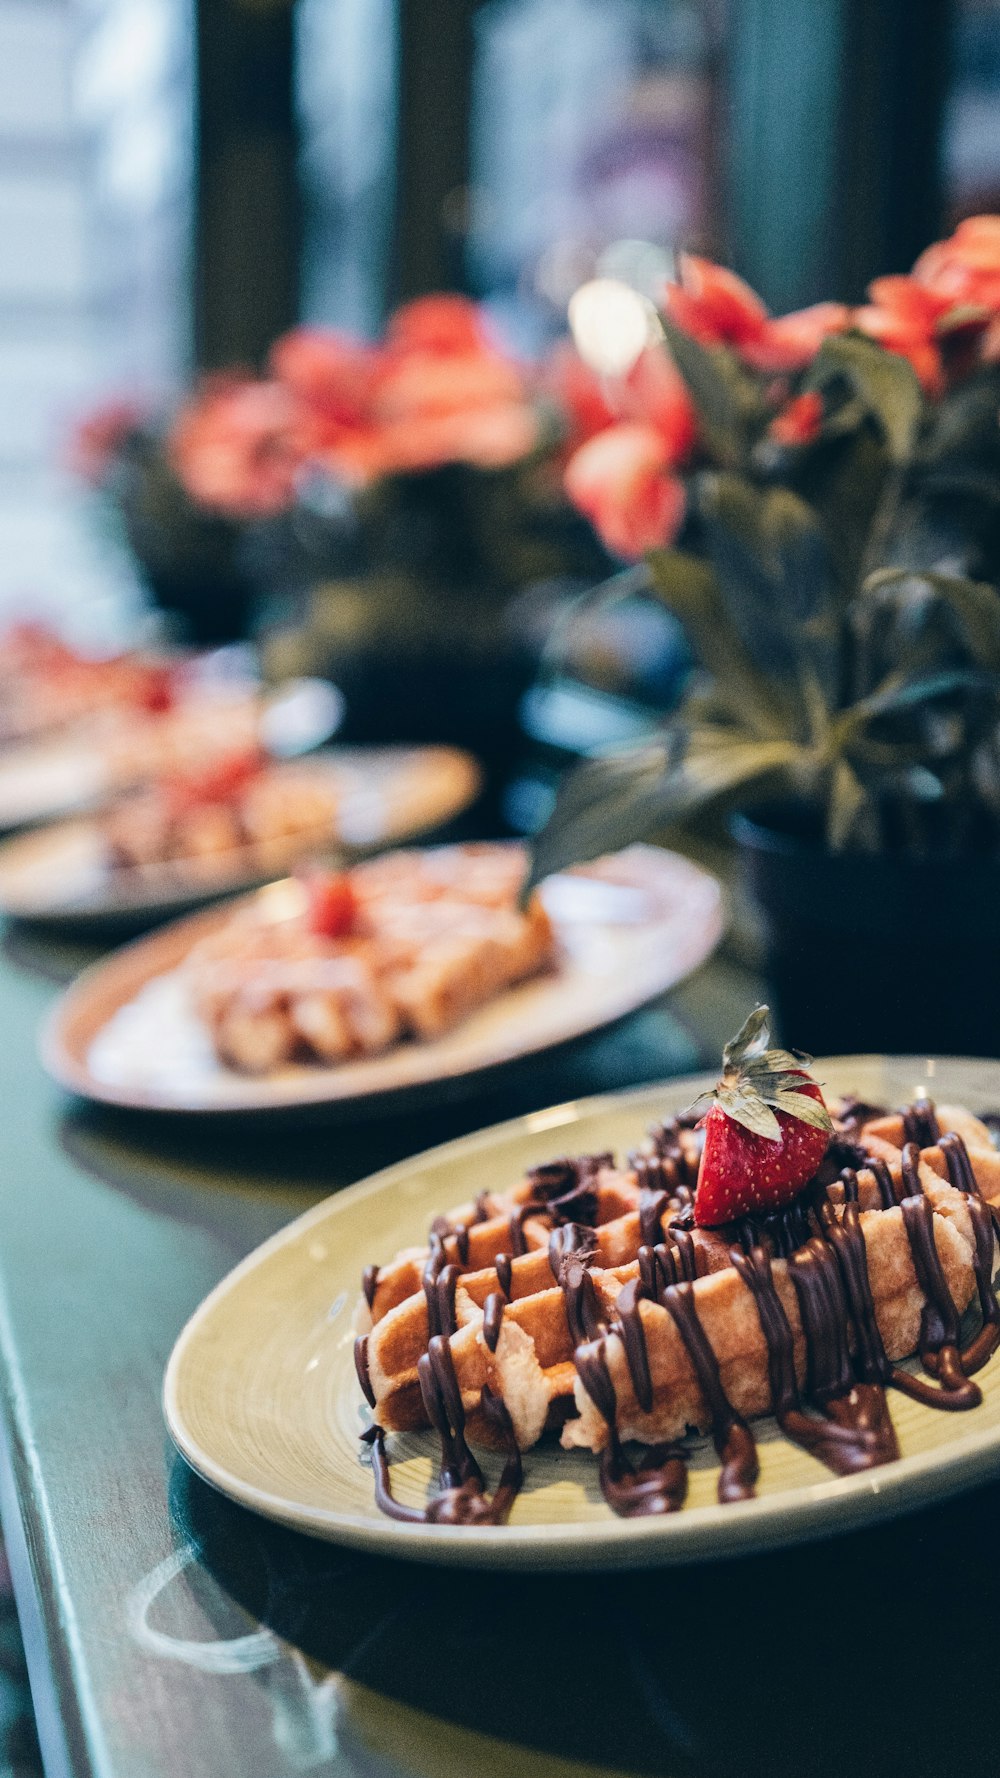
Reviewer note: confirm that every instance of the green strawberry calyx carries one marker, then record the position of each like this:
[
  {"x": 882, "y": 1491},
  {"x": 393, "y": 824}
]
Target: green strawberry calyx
[{"x": 758, "y": 1081}]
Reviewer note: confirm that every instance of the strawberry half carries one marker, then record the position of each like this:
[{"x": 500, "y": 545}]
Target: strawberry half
[{"x": 766, "y": 1131}]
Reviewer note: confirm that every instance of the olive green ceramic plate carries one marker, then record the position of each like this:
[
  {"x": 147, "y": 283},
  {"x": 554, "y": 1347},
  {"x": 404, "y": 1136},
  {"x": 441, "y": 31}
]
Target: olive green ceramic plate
[
  {"x": 126, "y": 1031},
  {"x": 262, "y": 1399},
  {"x": 59, "y": 874}
]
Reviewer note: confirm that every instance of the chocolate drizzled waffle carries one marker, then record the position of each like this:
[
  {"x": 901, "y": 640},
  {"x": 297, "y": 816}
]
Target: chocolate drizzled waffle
[{"x": 585, "y": 1301}]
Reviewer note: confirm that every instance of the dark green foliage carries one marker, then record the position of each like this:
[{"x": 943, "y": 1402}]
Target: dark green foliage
[{"x": 838, "y": 598}]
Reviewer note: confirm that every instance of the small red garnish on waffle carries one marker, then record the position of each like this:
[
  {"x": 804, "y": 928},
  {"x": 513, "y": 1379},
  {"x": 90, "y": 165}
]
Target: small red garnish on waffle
[
  {"x": 155, "y": 688},
  {"x": 766, "y": 1132},
  {"x": 221, "y": 781},
  {"x": 330, "y": 905}
]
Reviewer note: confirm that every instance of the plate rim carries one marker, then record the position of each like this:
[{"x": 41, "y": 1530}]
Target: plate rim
[
  {"x": 318, "y": 1092},
  {"x": 765, "y": 1522}
]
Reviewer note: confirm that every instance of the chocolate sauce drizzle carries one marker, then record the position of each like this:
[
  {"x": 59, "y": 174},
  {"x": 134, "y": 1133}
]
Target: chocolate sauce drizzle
[
  {"x": 659, "y": 1484},
  {"x": 462, "y": 1498},
  {"x": 920, "y": 1124},
  {"x": 839, "y": 1414}
]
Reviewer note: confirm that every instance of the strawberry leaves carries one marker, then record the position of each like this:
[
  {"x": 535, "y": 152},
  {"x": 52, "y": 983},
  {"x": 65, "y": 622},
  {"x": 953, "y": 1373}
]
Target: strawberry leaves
[{"x": 757, "y": 1082}]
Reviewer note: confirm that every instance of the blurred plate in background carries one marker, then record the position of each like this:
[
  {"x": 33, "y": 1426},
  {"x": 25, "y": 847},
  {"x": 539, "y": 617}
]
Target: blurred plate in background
[{"x": 61, "y": 874}]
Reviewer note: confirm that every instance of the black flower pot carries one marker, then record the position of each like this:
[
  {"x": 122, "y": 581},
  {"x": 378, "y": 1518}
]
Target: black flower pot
[{"x": 874, "y": 952}]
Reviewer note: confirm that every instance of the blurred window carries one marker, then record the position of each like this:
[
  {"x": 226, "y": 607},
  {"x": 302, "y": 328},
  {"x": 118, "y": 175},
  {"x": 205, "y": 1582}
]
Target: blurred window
[
  {"x": 345, "y": 76},
  {"x": 133, "y": 82},
  {"x": 593, "y": 144},
  {"x": 95, "y": 219},
  {"x": 972, "y": 120}
]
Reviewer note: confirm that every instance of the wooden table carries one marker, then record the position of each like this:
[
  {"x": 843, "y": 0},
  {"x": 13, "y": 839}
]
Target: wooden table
[{"x": 169, "y": 1632}]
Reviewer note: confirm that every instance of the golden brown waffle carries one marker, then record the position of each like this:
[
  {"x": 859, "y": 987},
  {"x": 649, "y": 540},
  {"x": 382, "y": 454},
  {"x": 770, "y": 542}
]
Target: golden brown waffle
[
  {"x": 518, "y": 1284},
  {"x": 429, "y": 937}
]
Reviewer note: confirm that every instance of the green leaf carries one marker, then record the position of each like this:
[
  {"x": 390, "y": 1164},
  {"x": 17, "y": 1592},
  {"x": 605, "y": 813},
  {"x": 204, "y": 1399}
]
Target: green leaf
[
  {"x": 601, "y": 806},
  {"x": 689, "y": 588},
  {"x": 962, "y": 426},
  {"x": 776, "y": 577},
  {"x": 751, "y": 1039},
  {"x": 808, "y": 1111},
  {"x": 847, "y": 799},
  {"x": 730, "y": 406},
  {"x": 608, "y": 803},
  {"x": 782, "y": 1062},
  {"x": 718, "y": 761},
  {"x": 975, "y": 606},
  {"x": 896, "y": 694},
  {"x": 885, "y": 383},
  {"x": 749, "y": 1109},
  {"x": 842, "y": 480}
]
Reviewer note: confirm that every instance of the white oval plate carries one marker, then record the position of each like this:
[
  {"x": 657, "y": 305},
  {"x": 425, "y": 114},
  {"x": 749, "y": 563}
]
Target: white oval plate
[
  {"x": 387, "y": 794},
  {"x": 125, "y": 1033},
  {"x": 262, "y": 1400}
]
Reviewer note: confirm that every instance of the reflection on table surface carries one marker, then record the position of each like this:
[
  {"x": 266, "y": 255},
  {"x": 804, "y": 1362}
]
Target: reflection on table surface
[{"x": 821, "y": 1660}]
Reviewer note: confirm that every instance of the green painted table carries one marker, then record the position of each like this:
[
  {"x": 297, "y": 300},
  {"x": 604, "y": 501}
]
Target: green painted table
[{"x": 171, "y": 1633}]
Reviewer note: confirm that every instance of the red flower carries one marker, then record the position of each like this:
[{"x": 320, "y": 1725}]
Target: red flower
[
  {"x": 714, "y": 304},
  {"x": 903, "y": 317},
  {"x": 790, "y": 342},
  {"x": 332, "y": 372},
  {"x": 418, "y": 383},
  {"x": 964, "y": 271},
  {"x": 444, "y": 393},
  {"x": 655, "y": 393},
  {"x": 799, "y": 421},
  {"x": 438, "y": 391},
  {"x": 233, "y": 447},
  {"x": 621, "y": 480},
  {"x": 583, "y": 397}
]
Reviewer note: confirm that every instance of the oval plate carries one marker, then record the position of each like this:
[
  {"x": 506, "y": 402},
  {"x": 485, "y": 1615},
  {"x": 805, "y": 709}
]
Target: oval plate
[
  {"x": 261, "y": 1397},
  {"x": 124, "y": 1033},
  {"x": 387, "y": 794}
]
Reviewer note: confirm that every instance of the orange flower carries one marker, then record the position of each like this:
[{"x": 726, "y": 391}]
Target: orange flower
[
  {"x": 437, "y": 324},
  {"x": 621, "y": 480},
  {"x": 799, "y": 421},
  {"x": 232, "y": 447}
]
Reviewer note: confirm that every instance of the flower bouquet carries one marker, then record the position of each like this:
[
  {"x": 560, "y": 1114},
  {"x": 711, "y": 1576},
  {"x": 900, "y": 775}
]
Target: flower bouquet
[
  {"x": 400, "y": 491},
  {"x": 826, "y": 525}
]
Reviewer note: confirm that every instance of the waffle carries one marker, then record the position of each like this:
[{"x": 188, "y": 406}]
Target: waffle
[
  {"x": 194, "y": 819},
  {"x": 587, "y": 1302},
  {"x": 426, "y": 938}
]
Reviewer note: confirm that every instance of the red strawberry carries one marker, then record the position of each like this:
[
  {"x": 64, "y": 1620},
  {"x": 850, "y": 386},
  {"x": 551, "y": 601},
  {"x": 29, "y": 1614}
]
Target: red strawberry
[
  {"x": 331, "y": 905},
  {"x": 765, "y": 1133}
]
